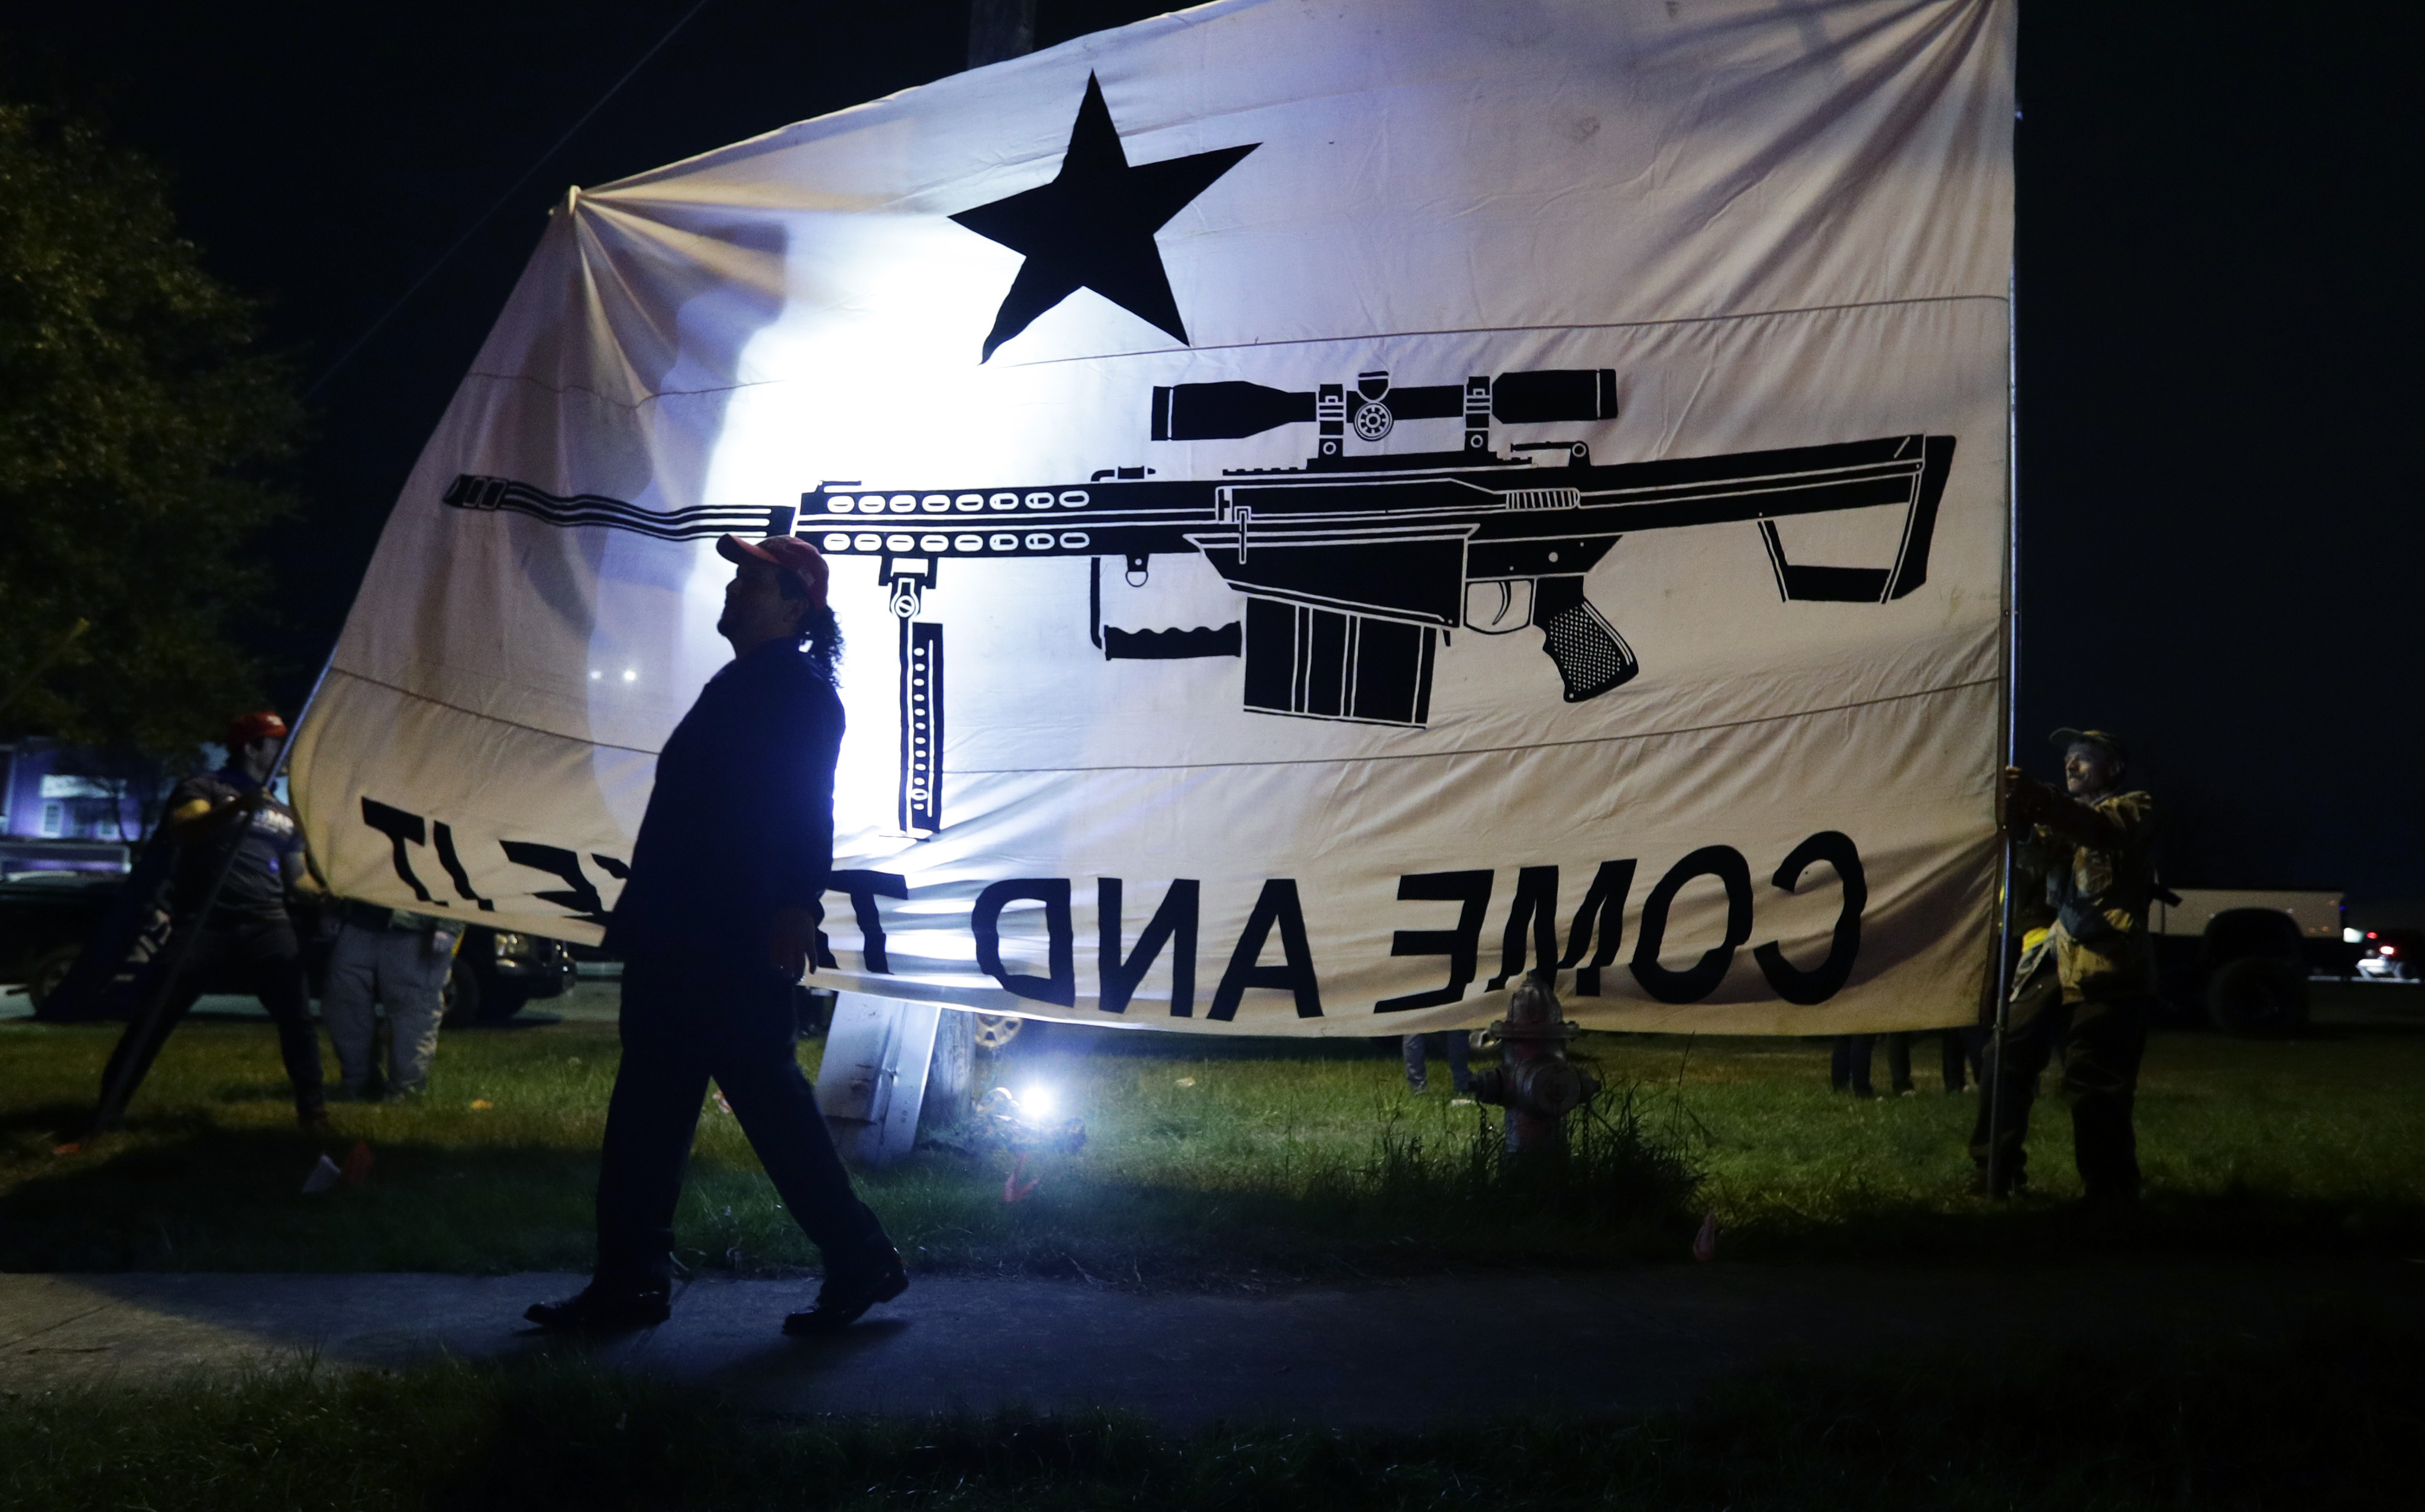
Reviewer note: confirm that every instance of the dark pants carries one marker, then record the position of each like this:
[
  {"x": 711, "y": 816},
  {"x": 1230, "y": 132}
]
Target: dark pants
[
  {"x": 685, "y": 1020},
  {"x": 1956, "y": 1052},
  {"x": 1959, "y": 1055},
  {"x": 2101, "y": 1042},
  {"x": 1453, "y": 1043},
  {"x": 257, "y": 956},
  {"x": 1848, "y": 1064},
  {"x": 1898, "y": 1059}
]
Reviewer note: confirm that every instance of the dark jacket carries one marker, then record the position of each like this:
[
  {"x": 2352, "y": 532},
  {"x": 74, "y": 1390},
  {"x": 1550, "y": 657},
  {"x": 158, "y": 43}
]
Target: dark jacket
[
  {"x": 269, "y": 849},
  {"x": 741, "y": 821}
]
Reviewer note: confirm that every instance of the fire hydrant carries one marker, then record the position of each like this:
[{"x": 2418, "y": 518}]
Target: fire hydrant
[{"x": 1535, "y": 1083}]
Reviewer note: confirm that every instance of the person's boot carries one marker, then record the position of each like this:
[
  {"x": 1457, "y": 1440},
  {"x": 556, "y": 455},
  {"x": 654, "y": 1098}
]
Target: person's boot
[
  {"x": 849, "y": 1291},
  {"x": 604, "y": 1307}
]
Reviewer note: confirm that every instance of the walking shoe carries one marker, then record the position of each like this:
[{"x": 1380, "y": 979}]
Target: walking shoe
[
  {"x": 604, "y": 1309},
  {"x": 846, "y": 1294},
  {"x": 314, "y": 1121}
]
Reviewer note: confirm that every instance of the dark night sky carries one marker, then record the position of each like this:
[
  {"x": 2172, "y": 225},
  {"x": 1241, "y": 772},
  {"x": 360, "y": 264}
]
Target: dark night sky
[{"x": 2222, "y": 548}]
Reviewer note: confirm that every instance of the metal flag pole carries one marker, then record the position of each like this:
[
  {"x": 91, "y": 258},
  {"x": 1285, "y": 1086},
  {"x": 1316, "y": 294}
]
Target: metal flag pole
[
  {"x": 1997, "y": 1175},
  {"x": 120, "y": 1087}
]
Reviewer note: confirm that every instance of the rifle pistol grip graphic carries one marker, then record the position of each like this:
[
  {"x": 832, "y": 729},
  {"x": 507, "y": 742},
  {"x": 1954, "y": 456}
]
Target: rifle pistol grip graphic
[{"x": 1590, "y": 656}]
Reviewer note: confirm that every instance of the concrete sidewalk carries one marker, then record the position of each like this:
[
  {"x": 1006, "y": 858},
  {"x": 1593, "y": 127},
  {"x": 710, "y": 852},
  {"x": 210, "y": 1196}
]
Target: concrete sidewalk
[{"x": 1612, "y": 1343}]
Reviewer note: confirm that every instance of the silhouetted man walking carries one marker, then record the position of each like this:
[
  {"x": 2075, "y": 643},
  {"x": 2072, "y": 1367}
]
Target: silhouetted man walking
[{"x": 716, "y": 925}]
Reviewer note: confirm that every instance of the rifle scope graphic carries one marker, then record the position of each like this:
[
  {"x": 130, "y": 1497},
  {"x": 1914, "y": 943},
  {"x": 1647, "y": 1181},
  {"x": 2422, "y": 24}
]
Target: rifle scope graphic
[{"x": 1371, "y": 408}]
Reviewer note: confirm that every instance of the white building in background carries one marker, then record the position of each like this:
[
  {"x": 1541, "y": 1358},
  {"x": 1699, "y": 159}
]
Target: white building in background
[{"x": 68, "y": 820}]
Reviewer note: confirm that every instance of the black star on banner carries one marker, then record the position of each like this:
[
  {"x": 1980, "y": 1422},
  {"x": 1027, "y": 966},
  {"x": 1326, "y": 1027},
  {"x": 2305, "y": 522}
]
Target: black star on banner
[{"x": 1092, "y": 226}]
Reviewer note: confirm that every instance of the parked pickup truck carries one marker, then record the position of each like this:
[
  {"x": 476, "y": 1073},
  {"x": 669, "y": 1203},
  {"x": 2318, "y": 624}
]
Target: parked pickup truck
[
  {"x": 45, "y": 917},
  {"x": 2242, "y": 958}
]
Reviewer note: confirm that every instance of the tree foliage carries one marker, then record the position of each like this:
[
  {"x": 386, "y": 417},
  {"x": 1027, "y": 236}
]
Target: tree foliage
[{"x": 138, "y": 419}]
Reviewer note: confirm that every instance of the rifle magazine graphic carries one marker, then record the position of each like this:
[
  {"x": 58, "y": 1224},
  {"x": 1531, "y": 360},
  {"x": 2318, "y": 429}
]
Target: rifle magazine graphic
[{"x": 1319, "y": 663}]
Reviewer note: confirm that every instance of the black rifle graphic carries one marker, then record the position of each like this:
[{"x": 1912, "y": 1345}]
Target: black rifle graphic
[{"x": 1354, "y": 567}]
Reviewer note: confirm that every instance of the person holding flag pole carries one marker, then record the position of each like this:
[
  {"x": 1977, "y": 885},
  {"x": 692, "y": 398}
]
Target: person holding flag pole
[
  {"x": 241, "y": 857},
  {"x": 2092, "y": 846}
]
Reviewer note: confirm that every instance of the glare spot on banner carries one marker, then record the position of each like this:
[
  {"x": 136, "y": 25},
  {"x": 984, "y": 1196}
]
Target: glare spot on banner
[{"x": 877, "y": 345}]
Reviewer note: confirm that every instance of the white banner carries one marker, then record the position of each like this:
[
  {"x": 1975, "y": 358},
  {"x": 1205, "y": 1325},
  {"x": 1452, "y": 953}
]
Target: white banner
[{"x": 1332, "y": 506}]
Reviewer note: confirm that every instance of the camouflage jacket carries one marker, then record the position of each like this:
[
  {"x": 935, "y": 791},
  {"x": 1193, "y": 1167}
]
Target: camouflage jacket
[{"x": 2099, "y": 895}]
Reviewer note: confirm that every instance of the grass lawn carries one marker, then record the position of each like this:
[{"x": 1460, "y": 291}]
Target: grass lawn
[
  {"x": 2329, "y": 1418},
  {"x": 1238, "y": 1163}
]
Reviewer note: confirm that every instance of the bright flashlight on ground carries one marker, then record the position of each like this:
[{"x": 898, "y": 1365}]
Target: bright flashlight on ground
[{"x": 1029, "y": 1119}]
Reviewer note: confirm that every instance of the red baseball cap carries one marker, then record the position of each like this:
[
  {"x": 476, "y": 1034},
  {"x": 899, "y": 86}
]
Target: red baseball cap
[
  {"x": 788, "y": 553},
  {"x": 245, "y": 729}
]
